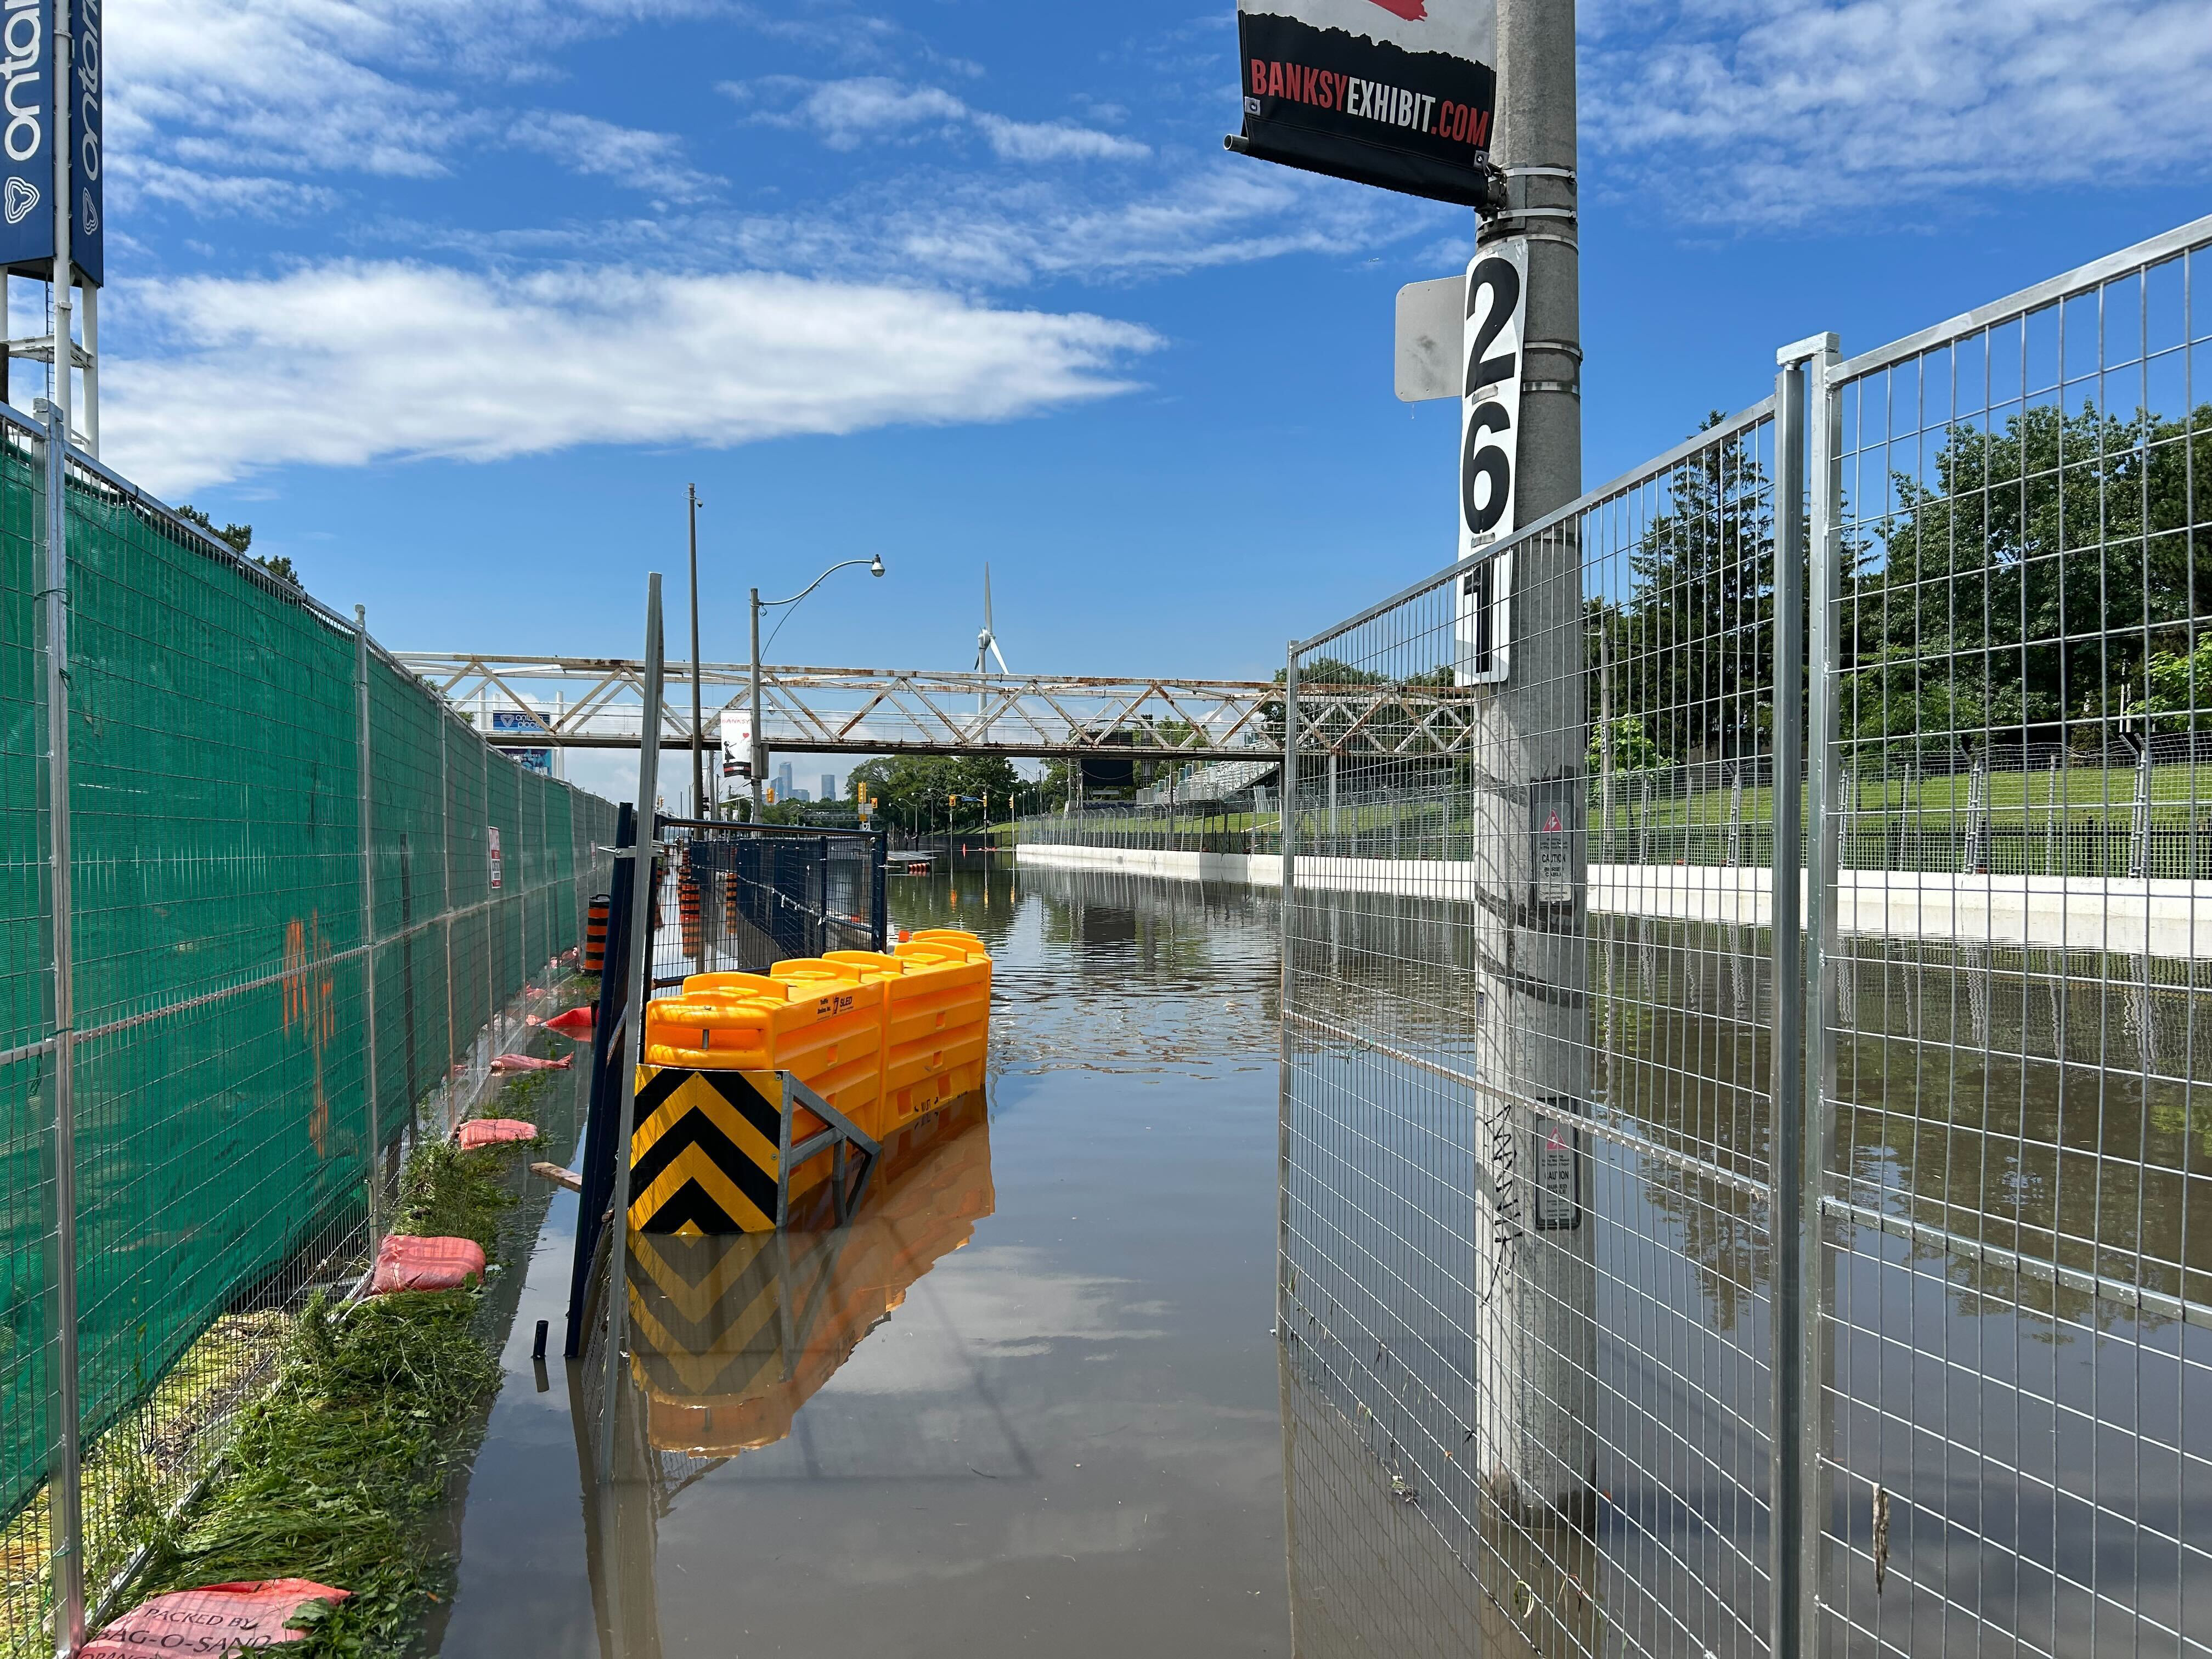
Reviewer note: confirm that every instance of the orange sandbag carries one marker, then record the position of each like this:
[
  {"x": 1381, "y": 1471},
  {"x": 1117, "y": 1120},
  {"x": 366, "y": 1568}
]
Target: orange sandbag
[
  {"x": 495, "y": 1130},
  {"x": 404, "y": 1263},
  {"x": 529, "y": 1063},
  {"x": 217, "y": 1619}
]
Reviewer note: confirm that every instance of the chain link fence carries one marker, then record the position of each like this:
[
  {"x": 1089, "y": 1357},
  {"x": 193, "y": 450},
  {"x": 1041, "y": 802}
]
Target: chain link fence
[
  {"x": 267, "y": 910},
  {"x": 1744, "y": 1181}
]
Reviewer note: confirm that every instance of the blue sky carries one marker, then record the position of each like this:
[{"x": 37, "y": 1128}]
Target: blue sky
[{"x": 451, "y": 301}]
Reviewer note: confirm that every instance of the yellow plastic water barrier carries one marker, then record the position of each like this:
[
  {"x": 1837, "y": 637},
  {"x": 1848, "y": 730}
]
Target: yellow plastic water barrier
[{"x": 882, "y": 1039}]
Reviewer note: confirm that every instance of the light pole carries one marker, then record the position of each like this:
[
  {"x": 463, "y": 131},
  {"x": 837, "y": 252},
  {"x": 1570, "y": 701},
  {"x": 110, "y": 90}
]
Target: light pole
[
  {"x": 698, "y": 734},
  {"x": 760, "y": 743}
]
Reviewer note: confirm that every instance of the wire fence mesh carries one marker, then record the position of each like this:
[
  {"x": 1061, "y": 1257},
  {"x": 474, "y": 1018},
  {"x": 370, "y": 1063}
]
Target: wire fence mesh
[
  {"x": 743, "y": 898},
  {"x": 306, "y": 902},
  {"x": 1567, "y": 1270}
]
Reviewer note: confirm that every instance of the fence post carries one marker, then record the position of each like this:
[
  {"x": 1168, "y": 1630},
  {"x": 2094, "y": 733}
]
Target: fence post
[
  {"x": 491, "y": 904},
  {"x": 446, "y": 871},
  {"x": 2052, "y": 866},
  {"x": 65, "y": 1472},
  {"x": 1289, "y": 948},
  {"x": 1815, "y": 972},
  {"x": 2139, "y": 850},
  {"x": 367, "y": 919},
  {"x": 1792, "y": 1235},
  {"x": 642, "y": 898}
]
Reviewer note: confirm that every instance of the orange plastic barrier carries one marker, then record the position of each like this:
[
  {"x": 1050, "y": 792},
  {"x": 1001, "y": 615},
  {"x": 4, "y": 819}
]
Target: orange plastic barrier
[
  {"x": 494, "y": 1132},
  {"x": 220, "y": 1618},
  {"x": 405, "y": 1263},
  {"x": 884, "y": 1038}
]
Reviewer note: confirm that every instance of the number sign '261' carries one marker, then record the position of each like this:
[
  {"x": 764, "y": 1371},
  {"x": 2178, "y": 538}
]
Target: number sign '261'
[{"x": 1490, "y": 453}]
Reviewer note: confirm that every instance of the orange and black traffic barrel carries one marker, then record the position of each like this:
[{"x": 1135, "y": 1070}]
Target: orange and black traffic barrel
[
  {"x": 730, "y": 916},
  {"x": 687, "y": 904},
  {"x": 595, "y": 933}
]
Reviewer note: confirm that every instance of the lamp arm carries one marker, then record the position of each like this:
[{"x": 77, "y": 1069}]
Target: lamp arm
[{"x": 770, "y": 605}]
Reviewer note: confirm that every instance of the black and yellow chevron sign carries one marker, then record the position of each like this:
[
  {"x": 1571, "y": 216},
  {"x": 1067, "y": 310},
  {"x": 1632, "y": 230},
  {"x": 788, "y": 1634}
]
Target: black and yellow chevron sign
[{"x": 703, "y": 1157}]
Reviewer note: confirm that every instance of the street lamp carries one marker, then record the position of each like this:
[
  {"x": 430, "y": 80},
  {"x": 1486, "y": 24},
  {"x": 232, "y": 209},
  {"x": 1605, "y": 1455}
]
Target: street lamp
[
  {"x": 760, "y": 744},
  {"x": 698, "y": 735}
]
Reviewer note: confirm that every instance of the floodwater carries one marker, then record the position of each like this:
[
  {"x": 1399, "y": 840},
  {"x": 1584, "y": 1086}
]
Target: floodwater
[
  {"x": 1032, "y": 1398},
  {"x": 1028, "y": 1401}
]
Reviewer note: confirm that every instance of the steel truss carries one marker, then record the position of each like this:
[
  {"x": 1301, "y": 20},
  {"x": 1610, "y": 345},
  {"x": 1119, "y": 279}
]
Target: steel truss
[{"x": 874, "y": 711}]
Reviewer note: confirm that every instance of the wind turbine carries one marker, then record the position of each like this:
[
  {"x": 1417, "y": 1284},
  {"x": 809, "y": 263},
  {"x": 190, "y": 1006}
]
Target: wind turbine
[
  {"x": 987, "y": 642},
  {"x": 986, "y": 645}
]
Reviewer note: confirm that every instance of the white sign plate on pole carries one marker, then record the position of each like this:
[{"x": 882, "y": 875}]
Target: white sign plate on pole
[
  {"x": 1495, "y": 309},
  {"x": 1430, "y": 362}
]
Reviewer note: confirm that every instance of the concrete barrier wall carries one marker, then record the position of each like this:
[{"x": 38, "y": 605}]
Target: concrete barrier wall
[{"x": 2159, "y": 918}]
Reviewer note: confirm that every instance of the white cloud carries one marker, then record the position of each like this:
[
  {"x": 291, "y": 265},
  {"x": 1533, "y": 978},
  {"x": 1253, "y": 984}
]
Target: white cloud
[
  {"x": 870, "y": 108},
  {"x": 990, "y": 231},
  {"x": 1056, "y": 141},
  {"x": 649, "y": 161},
  {"x": 1781, "y": 112},
  {"x": 227, "y": 87},
  {"x": 345, "y": 364},
  {"x": 141, "y": 178}
]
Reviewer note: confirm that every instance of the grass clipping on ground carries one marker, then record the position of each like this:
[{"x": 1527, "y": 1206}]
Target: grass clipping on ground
[{"x": 335, "y": 1471}]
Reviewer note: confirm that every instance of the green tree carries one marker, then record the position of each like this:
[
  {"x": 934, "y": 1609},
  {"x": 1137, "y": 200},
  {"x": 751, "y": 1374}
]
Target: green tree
[
  {"x": 1692, "y": 648},
  {"x": 239, "y": 540},
  {"x": 2033, "y": 577},
  {"x": 919, "y": 791}
]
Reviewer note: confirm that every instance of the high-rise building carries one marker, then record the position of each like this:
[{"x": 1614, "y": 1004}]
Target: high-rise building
[
  {"x": 829, "y": 785},
  {"x": 783, "y": 781}
]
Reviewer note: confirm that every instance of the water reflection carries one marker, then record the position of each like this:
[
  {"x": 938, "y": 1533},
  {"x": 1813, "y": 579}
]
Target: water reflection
[
  {"x": 2018, "y": 1295},
  {"x": 732, "y": 1336},
  {"x": 1032, "y": 1387}
]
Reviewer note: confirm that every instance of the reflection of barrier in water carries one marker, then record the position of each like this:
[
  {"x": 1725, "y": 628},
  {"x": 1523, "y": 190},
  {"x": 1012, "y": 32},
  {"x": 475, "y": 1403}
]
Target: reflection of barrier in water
[{"x": 732, "y": 1335}]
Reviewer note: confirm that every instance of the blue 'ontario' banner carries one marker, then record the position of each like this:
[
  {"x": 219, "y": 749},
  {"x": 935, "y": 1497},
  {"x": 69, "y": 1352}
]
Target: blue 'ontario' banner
[
  {"x": 1395, "y": 93},
  {"x": 27, "y": 137}
]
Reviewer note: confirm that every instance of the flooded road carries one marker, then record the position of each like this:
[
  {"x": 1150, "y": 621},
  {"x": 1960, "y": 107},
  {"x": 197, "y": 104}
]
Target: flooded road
[{"x": 1030, "y": 1398}]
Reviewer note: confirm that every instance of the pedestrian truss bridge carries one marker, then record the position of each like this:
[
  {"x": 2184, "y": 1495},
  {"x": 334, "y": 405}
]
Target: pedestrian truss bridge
[{"x": 598, "y": 703}]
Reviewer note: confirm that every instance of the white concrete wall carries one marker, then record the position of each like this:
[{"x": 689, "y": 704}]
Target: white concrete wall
[{"x": 2162, "y": 918}]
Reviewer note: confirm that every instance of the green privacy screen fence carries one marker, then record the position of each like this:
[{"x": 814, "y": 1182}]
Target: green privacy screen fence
[{"x": 303, "y": 892}]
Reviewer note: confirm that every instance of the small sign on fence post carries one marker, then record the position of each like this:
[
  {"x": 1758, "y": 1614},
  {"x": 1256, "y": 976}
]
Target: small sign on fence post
[
  {"x": 1559, "y": 1183},
  {"x": 491, "y": 832}
]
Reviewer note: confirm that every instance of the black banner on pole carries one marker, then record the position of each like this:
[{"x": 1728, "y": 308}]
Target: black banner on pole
[{"x": 1395, "y": 93}]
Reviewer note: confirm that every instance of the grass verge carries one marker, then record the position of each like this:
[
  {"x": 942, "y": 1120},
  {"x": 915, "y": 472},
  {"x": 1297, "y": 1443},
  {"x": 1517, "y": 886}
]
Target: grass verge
[{"x": 335, "y": 1473}]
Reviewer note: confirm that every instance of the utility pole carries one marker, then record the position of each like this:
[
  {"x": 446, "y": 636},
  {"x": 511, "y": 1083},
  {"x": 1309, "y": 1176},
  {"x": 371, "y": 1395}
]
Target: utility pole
[
  {"x": 1536, "y": 1263},
  {"x": 759, "y": 755},
  {"x": 698, "y": 725}
]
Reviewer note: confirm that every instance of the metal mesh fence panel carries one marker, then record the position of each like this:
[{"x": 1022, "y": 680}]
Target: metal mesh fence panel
[
  {"x": 737, "y": 898},
  {"x": 245, "y": 959},
  {"x": 1669, "y": 1360},
  {"x": 2018, "y": 1362},
  {"x": 1526, "y": 1104}
]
